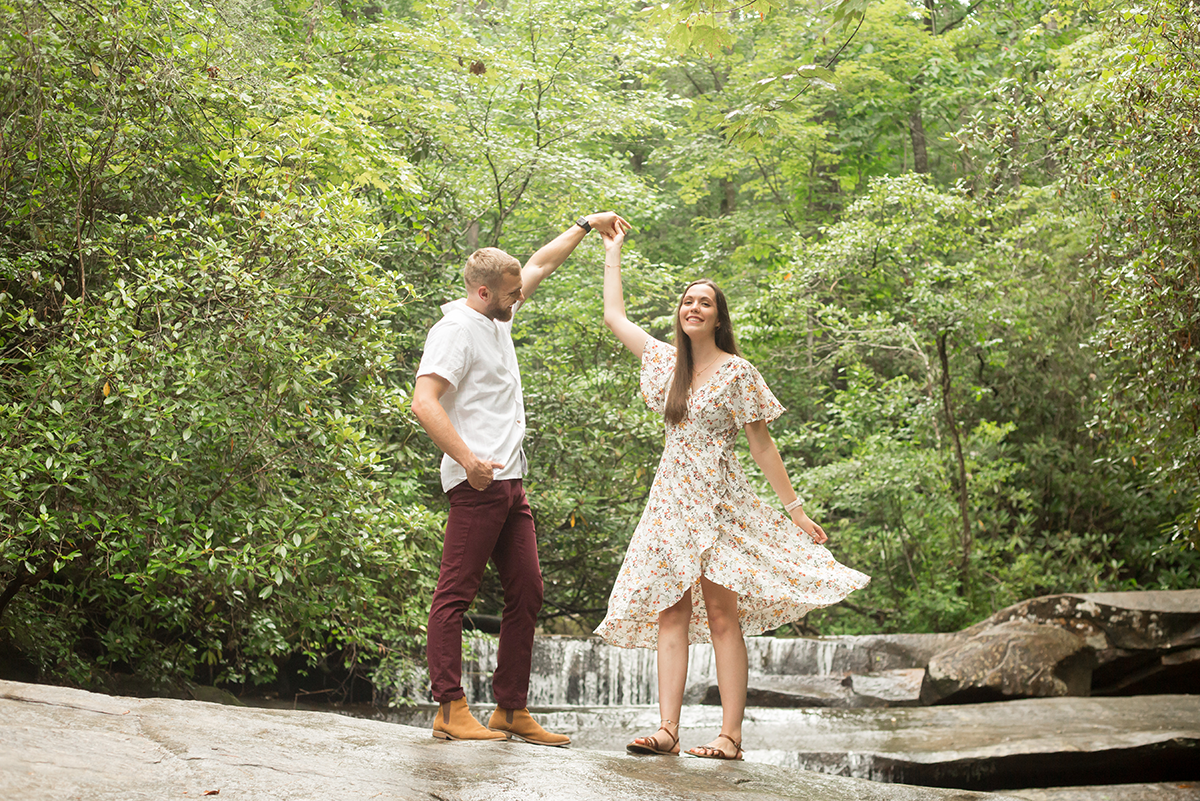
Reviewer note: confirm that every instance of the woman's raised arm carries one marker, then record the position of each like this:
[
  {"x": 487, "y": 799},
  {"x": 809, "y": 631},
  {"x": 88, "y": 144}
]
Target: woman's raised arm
[{"x": 631, "y": 335}]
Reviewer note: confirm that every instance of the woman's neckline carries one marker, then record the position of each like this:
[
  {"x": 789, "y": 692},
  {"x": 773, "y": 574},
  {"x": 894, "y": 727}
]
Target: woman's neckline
[{"x": 694, "y": 389}]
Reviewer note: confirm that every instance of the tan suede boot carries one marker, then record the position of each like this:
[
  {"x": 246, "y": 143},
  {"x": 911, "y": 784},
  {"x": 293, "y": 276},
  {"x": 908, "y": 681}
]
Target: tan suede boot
[
  {"x": 519, "y": 724},
  {"x": 454, "y": 721}
]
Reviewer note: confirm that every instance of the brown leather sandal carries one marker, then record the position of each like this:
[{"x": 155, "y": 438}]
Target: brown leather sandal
[
  {"x": 649, "y": 745},
  {"x": 711, "y": 752}
]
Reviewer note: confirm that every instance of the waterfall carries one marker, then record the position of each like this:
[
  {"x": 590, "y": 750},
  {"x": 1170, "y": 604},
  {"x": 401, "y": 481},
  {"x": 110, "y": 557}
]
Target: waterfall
[{"x": 587, "y": 672}]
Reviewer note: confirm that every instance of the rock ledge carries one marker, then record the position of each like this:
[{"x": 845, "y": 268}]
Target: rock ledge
[{"x": 62, "y": 743}]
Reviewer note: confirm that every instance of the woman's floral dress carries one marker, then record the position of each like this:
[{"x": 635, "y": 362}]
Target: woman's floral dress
[{"x": 703, "y": 518}]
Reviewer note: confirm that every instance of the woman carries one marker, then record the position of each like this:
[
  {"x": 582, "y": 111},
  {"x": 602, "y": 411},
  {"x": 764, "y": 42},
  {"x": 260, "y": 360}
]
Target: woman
[{"x": 709, "y": 560}]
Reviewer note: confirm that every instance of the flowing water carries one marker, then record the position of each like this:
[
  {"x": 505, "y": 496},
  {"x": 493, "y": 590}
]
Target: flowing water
[{"x": 586, "y": 672}]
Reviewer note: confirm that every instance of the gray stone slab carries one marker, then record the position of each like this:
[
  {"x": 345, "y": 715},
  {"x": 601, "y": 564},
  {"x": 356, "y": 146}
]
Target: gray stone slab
[
  {"x": 852, "y": 691},
  {"x": 1175, "y": 601},
  {"x": 890, "y": 687},
  {"x": 791, "y": 691},
  {"x": 1175, "y": 791},
  {"x": 61, "y": 744},
  {"x": 1032, "y": 742}
]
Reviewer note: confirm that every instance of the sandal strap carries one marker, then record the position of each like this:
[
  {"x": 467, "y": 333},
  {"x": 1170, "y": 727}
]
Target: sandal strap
[
  {"x": 736, "y": 744},
  {"x": 713, "y": 750},
  {"x": 652, "y": 740}
]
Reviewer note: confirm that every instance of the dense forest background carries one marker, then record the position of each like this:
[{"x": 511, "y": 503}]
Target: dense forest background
[{"x": 961, "y": 241}]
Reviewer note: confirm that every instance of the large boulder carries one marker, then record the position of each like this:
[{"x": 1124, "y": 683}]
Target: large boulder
[
  {"x": 1119, "y": 643},
  {"x": 1141, "y": 640},
  {"x": 1015, "y": 659}
]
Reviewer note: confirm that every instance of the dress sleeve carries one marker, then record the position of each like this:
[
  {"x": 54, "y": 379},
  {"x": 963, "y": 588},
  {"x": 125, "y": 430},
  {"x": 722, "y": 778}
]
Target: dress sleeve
[
  {"x": 658, "y": 365},
  {"x": 751, "y": 398}
]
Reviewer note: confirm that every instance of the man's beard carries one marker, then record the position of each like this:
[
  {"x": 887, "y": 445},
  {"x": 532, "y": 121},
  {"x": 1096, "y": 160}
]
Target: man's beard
[{"x": 499, "y": 314}]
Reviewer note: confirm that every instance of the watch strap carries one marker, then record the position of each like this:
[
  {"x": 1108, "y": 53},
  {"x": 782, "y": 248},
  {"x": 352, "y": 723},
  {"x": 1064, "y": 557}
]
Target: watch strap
[{"x": 583, "y": 223}]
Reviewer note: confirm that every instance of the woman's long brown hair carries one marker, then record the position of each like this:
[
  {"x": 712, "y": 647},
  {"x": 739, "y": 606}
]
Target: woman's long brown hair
[{"x": 681, "y": 382}]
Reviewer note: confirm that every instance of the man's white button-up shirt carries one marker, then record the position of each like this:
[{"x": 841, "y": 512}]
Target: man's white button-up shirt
[{"x": 475, "y": 355}]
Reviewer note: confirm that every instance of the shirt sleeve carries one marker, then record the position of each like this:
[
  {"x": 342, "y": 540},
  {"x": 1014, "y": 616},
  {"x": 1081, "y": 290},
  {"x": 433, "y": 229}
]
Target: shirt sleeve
[
  {"x": 447, "y": 354},
  {"x": 751, "y": 399},
  {"x": 658, "y": 365}
]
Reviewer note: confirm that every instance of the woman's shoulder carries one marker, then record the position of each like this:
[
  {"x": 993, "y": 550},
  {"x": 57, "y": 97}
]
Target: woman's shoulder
[
  {"x": 657, "y": 349},
  {"x": 658, "y": 343},
  {"x": 742, "y": 372},
  {"x": 740, "y": 364}
]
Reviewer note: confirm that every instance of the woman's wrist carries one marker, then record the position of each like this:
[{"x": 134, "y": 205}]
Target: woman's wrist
[{"x": 790, "y": 507}]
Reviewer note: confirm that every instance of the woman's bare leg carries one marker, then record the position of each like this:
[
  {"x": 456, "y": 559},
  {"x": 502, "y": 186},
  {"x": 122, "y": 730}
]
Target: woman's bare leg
[
  {"x": 729, "y": 648},
  {"x": 672, "y": 672},
  {"x": 673, "y": 626}
]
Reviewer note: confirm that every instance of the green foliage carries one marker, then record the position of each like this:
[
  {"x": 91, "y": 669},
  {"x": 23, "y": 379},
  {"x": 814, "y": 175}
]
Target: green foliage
[
  {"x": 519, "y": 107},
  {"x": 1107, "y": 118},
  {"x": 912, "y": 274},
  {"x": 1136, "y": 166},
  {"x": 196, "y": 340},
  {"x": 960, "y": 244}
]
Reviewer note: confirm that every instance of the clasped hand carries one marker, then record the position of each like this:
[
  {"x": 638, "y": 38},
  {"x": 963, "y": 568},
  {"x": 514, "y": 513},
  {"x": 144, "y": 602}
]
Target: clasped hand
[{"x": 608, "y": 224}]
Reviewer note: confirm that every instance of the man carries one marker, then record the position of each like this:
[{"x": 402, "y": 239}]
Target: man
[{"x": 468, "y": 398}]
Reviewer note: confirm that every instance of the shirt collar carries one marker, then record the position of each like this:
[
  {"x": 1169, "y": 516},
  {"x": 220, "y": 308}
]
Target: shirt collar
[{"x": 459, "y": 308}]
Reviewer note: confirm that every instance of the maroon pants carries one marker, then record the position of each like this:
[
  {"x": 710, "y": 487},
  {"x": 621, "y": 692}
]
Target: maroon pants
[{"x": 495, "y": 524}]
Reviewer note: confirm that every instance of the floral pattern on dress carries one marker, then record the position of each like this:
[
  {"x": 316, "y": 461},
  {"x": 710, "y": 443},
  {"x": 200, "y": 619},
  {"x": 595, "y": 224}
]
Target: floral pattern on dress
[{"x": 704, "y": 519}]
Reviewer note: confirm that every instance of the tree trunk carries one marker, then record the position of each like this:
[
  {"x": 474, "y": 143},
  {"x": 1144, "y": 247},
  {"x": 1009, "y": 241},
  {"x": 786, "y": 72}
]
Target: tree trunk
[
  {"x": 952, "y": 424},
  {"x": 812, "y": 327},
  {"x": 728, "y": 197},
  {"x": 916, "y": 129},
  {"x": 23, "y": 579}
]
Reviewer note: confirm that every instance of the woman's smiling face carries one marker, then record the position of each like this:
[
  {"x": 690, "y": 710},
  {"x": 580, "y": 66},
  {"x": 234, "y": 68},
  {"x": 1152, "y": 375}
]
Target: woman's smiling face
[{"x": 698, "y": 311}]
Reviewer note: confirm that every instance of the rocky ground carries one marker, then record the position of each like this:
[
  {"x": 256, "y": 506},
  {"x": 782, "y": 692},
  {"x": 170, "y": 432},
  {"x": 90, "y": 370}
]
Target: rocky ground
[
  {"x": 62, "y": 744},
  {"x": 891, "y": 711},
  {"x": 1017, "y": 744},
  {"x": 68, "y": 744}
]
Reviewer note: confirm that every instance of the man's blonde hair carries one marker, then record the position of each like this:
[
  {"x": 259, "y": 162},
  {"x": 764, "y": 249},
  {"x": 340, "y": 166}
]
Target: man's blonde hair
[{"x": 486, "y": 265}]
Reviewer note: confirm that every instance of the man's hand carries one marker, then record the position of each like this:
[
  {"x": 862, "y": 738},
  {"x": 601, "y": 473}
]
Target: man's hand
[
  {"x": 608, "y": 223},
  {"x": 481, "y": 472}
]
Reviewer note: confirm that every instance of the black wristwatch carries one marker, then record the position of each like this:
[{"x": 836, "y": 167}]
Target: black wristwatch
[{"x": 584, "y": 224}]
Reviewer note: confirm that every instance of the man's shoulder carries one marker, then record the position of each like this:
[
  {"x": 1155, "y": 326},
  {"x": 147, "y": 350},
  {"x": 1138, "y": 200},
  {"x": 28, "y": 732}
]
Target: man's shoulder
[
  {"x": 449, "y": 325},
  {"x": 449, "y": 335},
  {"x": 456, "y": 319}
]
